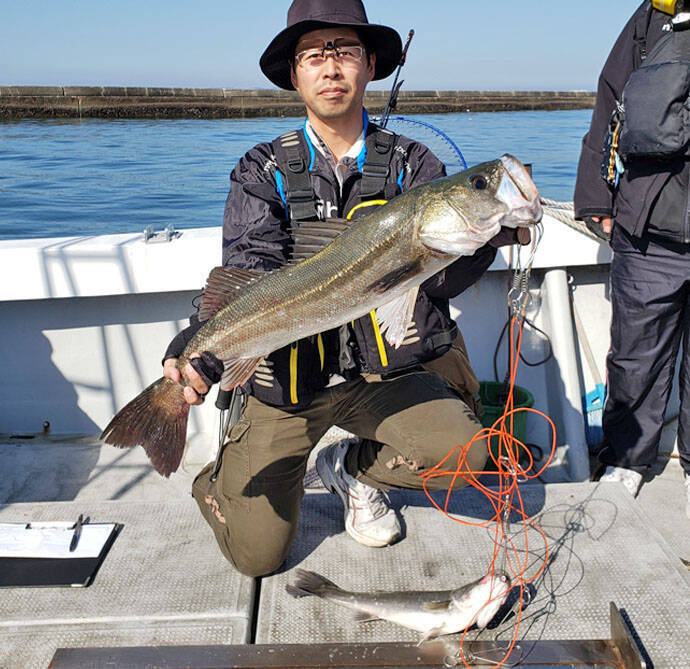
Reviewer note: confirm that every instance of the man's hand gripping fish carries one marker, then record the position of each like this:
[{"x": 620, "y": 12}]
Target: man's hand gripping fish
[
  {"x": 338, "y": 272},
  {"x": 433, "y": 613}
]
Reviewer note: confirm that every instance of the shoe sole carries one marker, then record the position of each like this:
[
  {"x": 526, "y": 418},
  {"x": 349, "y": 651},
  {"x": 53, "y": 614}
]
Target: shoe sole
[{"x": 324, "y": 469}]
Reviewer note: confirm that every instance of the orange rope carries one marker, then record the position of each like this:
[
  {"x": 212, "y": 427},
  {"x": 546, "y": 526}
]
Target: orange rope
[{"x": 506, "y": 498}]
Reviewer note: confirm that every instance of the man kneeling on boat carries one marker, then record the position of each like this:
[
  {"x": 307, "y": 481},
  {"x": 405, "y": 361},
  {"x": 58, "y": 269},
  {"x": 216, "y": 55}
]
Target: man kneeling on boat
[{"x": 408, "y": 406}]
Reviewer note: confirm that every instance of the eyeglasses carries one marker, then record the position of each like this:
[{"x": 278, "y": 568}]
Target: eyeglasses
[{"x": 342, "y": 51}]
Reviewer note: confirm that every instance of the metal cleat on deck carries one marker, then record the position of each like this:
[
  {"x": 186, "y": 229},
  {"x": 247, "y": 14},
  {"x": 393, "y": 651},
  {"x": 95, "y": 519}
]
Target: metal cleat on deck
[{"x": 166, "y": 235}]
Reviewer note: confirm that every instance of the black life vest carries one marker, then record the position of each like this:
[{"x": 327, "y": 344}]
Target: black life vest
[
  {"x": 291, "y": 375},
  {"x": 655, "y": 118}
]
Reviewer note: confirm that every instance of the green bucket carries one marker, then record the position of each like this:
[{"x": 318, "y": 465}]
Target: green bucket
[{"x": 493, "y": 396}]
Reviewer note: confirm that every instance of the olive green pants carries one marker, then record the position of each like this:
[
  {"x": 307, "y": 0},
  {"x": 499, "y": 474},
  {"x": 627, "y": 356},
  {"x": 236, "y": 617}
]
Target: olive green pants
[{"x": 408, "y": 424}]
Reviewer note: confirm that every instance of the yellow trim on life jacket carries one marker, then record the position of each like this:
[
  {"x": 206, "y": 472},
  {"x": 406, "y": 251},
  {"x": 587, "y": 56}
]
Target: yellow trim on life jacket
[
  {"x": 377, "y": 331},
  {"x": 666, "y": 6},
  {"x": 379, "y": 339},
  {"x": 368, "y": 203},
  {"x": 293, "y": 373},
  {"x": 322, "y": 355},
  {"x": 613, "y": 169}
]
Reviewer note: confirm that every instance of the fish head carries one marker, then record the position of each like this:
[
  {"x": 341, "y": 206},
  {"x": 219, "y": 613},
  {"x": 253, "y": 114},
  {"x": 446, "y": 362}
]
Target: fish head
[
  {"x": 464, "y": 211},
  {"x": 485, "y": 597}
]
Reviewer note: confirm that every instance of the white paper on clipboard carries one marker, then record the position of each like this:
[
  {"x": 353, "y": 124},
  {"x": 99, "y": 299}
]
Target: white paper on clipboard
[{"x": 52, "y": 539}]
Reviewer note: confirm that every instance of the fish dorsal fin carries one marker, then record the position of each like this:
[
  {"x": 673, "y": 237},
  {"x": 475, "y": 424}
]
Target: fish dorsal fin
[
  {"x": 222, "y": 286},
  {"x": 237, "y": 371},
  {"x": 394, "y": 317},
  {"x": 437, "y": 606},
  {"x": 312, "y": 236}
]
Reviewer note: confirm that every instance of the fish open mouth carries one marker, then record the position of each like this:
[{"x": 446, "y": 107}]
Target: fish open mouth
[
  {"x": 512, "y": 201},
  {"x": 518, "y": 192}
]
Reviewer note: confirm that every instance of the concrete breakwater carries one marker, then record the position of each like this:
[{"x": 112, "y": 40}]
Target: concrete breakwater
[{"x": 137, "y": 102}]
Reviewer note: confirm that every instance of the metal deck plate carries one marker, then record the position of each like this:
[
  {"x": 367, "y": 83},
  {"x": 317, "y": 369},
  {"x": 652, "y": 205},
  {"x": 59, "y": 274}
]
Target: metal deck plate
[
  {"x": 600, "y": 654},
  {"x": 602, "y": 549},
  {"x": 164, "y": 582}
]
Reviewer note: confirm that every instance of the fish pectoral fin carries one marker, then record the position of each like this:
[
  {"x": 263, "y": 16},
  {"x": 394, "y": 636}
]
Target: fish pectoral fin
[
  {"x": 396, "y": 277},
  {"x": 310, "y": 237},
  {"x": 237, "y": 371},
  {"x": 364, "y": 617},
  {"x": 222, "y": 286},
  {"x": 437, "y": 606},
  {"x": 394, "y": 318},
  {"x": 431, "y": 634}
]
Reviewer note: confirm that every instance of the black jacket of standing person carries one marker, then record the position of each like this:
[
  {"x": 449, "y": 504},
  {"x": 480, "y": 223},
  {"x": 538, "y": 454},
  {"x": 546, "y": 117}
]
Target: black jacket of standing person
[
  {"x": 652, "y": 195},
  {"x": 649, "y": 276}
]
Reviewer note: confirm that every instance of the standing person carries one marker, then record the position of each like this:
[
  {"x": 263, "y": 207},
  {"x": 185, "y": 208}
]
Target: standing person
[
  {"x": 646, "y": 216},
  {"x": 406, "y": 417}
]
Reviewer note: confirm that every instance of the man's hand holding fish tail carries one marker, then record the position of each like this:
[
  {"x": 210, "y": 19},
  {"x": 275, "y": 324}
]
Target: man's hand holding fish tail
[
  {"x": 201, "y": 372},
  {"x": 333, "y": 309}
]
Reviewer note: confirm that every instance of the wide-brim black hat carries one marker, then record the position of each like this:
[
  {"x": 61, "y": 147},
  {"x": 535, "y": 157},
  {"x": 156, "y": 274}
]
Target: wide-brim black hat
[{"x": 306, "y": 15}]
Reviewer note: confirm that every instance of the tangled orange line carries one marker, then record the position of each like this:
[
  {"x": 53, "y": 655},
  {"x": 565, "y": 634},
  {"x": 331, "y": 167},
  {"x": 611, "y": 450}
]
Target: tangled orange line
[{"x": 505, "y": 497}]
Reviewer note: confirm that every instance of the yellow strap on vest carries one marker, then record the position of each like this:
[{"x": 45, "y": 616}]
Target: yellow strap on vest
[
  {"x": 368, "y": 203},
  {"x": 377, "y": 331},
  {"x": 293, "y": 373},
  {"x": 379, "y": 339},
  {"x": 322, "y": 355}
]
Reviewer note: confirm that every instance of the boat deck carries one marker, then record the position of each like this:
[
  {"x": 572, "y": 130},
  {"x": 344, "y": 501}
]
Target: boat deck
[{"x": 165, "y": 583}]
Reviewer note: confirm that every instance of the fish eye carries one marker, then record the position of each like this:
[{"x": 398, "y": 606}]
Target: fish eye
[{"x": 478, "y": 182}]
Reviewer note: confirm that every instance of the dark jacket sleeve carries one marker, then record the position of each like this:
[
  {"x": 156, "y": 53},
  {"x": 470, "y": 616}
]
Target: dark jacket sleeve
[
  {"x": 255, "y": 220},
  {"x": 422, "y": 166},
  {"x": 459, "y": 276},
  {"x": 593, "y": 196},
  {"x": 182, "y": 338}
]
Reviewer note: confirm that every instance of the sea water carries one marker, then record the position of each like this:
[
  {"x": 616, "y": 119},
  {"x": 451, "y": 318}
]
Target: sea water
[{"x": 92, "y": 176}]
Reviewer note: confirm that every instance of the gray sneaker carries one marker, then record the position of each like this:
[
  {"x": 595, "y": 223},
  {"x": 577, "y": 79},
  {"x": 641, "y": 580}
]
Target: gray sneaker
[
  {"x": 687, "y": 495},
  {"x": 368, "y": 516},
  {"x": 631, "y": 479}
]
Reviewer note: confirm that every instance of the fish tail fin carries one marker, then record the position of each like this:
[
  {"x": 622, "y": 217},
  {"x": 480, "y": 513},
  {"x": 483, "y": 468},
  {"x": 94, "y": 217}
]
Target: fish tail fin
[
  {"x": 156, "y": 419},
  {"x": 310, "y": 583}
]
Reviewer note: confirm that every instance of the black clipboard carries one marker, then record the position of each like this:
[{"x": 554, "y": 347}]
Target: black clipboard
[{"x": 77, "y": 572}]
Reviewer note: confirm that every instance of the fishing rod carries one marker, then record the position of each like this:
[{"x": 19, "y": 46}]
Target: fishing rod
[
  {"x": 395, "y": 89},
  {"x": 392, "y": 103}
]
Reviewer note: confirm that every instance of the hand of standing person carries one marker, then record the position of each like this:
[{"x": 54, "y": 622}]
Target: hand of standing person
[{"x": 606, "y": 223}]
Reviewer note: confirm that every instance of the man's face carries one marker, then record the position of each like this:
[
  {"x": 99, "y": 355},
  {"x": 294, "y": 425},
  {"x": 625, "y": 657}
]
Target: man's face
[{"x": 333, "y": 87}]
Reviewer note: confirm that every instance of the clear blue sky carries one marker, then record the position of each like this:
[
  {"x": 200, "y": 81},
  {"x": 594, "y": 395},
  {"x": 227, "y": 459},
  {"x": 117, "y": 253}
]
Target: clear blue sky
[{"x": 459, "y": 44}]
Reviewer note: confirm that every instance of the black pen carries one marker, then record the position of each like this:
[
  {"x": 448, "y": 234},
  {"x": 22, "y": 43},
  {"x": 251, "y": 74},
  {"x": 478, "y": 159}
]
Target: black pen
[{"x": 77, "y": 533}]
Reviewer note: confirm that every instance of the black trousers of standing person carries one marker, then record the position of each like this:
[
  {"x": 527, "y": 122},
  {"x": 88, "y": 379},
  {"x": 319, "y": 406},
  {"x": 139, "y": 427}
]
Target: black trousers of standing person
[{"x": 650, "y": 300}]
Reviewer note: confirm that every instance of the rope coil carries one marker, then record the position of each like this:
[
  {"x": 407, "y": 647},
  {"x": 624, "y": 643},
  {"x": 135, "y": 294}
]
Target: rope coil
[{"x": 504, "y": 495}]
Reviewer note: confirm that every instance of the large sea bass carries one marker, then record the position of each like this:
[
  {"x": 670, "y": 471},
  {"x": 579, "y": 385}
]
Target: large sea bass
[
  {"x": 338, "y": 273},
  {"x": 430, "y": 612}
]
